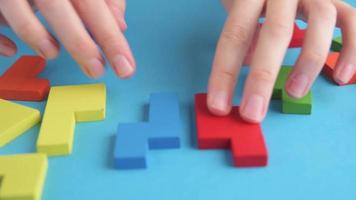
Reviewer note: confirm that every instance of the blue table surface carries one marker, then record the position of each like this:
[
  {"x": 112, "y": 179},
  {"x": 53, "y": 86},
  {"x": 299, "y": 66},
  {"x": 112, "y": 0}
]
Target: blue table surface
[{"x": 310, "y": 157}]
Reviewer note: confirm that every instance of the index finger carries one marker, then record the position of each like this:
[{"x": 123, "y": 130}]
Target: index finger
[{"x": 231, "y": 51}]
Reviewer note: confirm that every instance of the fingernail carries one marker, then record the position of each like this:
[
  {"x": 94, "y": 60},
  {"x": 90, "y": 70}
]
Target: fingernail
[
  {"x": 7, "y": 50},
  {"x": 297, "y": 85},
  {"x": 122, "y": 66},
  {"x": 47, "y": 49},
  {"x": 345, "y": 74},
  {"x": 219, "y": 102},
  {"x": 95, "y": 68},
  {"x": 253, "y": 109}
]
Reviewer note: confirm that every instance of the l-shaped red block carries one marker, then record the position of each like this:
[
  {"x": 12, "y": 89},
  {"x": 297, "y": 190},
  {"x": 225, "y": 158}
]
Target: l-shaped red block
[
  {"x": 20, "y": 81},
  {"x": 244, "y": 139}
]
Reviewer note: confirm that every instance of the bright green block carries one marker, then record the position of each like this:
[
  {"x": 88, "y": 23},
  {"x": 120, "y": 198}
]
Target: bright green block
[
  {"x": 336, "y": 44},
  {"x": 290, "y": 105},
  {"x": 297, "y": 106},
  {"x": 280, "y": 82}
]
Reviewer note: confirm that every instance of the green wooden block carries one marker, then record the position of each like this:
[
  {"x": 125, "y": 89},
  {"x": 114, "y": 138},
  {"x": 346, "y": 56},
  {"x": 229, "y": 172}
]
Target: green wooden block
[
  {"x": 297, "y": 106},
  {"x": 280, "y": 82},
  {"x": 336, "y": 44},
  {"x": 290, "y": 105}
]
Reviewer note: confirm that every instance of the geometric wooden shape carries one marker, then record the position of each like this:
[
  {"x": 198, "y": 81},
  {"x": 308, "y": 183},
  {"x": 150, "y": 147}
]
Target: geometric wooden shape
[
  {"x": 22, "y": 176},
  {"x": 245, "y": 140},
  {"x": 162, "y": 131},
  {"x": 20, "y": 81},
  {"x": 67, "y": 105},
  {"x": 15, "y": 119},
  {"x": 290, "y": 105}
]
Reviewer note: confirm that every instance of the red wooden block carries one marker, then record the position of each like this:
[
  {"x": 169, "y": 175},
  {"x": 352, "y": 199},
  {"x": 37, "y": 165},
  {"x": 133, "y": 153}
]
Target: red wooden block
[
  {"x": 244, "y": 139},
  {"x": 330, "y": 67},
  {"x": 20, "y": 81},
  {"x": 298, "y": 37}
]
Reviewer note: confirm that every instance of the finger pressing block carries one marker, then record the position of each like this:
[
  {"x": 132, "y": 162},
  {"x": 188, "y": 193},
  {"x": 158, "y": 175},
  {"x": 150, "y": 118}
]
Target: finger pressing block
[
  {"x": 230, "y": 132},
  {"x": 330, "y": 66}
]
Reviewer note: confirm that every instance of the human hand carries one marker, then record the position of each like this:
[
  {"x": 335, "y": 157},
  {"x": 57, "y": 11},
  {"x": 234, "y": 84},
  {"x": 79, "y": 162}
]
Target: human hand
[
  {"x": 73, "y": 21},
  {"x": 270, "y": 47}
]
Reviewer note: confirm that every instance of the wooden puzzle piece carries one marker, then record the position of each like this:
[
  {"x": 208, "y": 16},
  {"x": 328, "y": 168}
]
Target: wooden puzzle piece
[
  {"x": 67, "y": 105},
  {"x": 15, "y": 119},
  {"x": 336, "y": 45},
  {"x": 296, "y": 106},
  {"x": 290, "y": 105},
  {"x": 330, "y": 67},
  {"x": 298, "y": 37},
  {"x": 162, "y": 131},
  {"x": 22, "y": 176},
  {"x": 244, "y": 139},
  {"x": 20, "y": 81}
]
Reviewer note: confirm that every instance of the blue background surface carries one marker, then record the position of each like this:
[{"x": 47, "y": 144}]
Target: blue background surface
[{"x": 311, "y": 157}]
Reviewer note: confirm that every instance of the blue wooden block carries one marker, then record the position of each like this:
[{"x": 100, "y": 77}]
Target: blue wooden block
[
  {"x": 164, "y": 136},
  {"x": 165, "y": 118},
  {"x": 161, "y": 132},
  {"x": 130, "y": 146},
  {"x": 164, "y": 107}
]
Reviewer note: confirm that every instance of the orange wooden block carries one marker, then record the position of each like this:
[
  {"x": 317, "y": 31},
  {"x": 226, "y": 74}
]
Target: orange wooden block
[
  {"x": 330, "y": 67},
  {"x": 20, "y": 81}
]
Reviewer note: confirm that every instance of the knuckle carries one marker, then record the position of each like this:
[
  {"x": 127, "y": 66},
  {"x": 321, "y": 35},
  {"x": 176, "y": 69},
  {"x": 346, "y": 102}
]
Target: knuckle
[
  {"x": 80, "y": 4},
  {"x": 236, "y": 34},
  {"x": 45, "y": 4},
  {"x": 79, "y": 45},
  {"x": 262, "y": 75},
  {"x": 25, "y": 30},
  {"x": 324, "y": 9},
  {"x": 314, "y": 57},
  {"x": 227, "y": 76},
  {"x": 279, "y": 28},
  {"x": 109, "y": 42}
]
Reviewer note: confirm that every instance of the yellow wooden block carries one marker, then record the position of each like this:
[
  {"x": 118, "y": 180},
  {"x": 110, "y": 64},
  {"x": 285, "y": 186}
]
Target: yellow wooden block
[
  {"x": 65, "y": 106},
  {"x": 22, "y": 176},
  {"x": 15, "y": 119}
]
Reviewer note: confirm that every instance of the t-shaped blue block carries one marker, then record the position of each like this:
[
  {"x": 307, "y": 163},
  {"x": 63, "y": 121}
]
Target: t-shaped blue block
[{"x": 161, "y": 132}]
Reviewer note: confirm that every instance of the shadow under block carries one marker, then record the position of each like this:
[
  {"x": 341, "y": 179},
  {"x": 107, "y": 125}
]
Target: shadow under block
[
  {"x": 290, "y": 105},
  {"x": 336, "y": 44},
  {"x": 67, "y": 105},
  {"x": 20, "y": 81},
  {"x": 15, "y": 119},
  {"x": 245, "y": 140},
  {"x": 22, "y": 176},
  {"x": 330, "y": 67},
  {"x": 162, "y": 131}
]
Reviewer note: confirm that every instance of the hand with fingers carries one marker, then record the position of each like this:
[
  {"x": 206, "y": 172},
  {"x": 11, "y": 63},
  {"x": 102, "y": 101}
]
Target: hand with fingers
[
  {"x": 72, "y": 20},
  {"x": 270, "y": 46}
]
